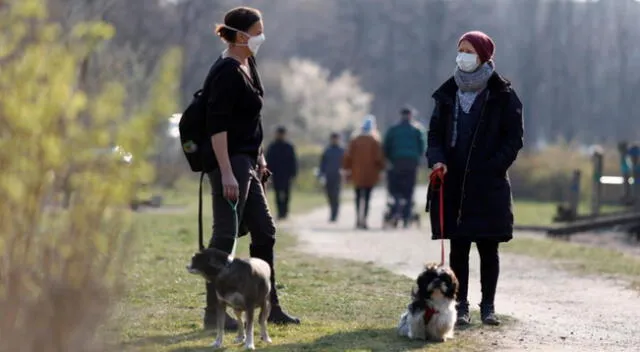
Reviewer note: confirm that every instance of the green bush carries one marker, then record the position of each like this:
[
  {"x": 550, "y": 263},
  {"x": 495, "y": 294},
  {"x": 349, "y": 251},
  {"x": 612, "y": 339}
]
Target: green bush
[{"x": 62, "y": 270}]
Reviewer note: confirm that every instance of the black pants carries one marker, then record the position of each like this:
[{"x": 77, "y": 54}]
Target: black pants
[
  {"x": 282, "y": 193},
  {"x": 402, "y": 183},
  {"x": 252, "y": 211},
  {"x": 332, "y": 190},
  {"x": 489, "y": 268},
  {"x": 363, "y": 196}
]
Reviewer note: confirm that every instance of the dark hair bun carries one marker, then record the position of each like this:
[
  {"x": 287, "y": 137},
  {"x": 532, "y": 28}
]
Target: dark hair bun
[{"x": 228, "y": 35}]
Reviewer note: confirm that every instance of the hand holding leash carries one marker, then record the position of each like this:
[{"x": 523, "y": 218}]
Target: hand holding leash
[
  {"x": 230, "y": 187},
  {"x": 440, "y": 166}
]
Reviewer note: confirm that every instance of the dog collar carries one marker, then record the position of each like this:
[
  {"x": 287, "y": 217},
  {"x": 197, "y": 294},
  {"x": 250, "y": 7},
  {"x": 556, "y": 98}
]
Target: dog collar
[{"x": 429, "y": 313}]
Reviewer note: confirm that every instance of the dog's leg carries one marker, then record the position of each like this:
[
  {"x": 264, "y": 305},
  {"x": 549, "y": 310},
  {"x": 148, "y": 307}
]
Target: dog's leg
[
  {"x": 449, "y": 334},
  {"x": 221, "y": 312},
  {"x": 241, "y": 334},
  {"x": 264, "y": 315},
  {"x": 249, "y": 341}
]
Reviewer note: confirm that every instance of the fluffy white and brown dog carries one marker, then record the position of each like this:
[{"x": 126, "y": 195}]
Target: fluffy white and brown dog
[{"x": 432, "y": 314}]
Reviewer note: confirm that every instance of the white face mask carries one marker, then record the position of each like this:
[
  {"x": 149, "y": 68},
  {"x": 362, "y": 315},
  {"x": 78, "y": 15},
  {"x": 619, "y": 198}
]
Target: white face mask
[
  {"x": 467, "y": 62},
  {"x": 253, "y": 43}
]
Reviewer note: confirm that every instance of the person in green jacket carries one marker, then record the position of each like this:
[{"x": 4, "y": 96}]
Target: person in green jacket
[{"x": 404, "y": 145}]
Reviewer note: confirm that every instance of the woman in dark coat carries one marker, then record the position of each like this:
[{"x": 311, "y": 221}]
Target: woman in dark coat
[{"x": 475, "y": 134}]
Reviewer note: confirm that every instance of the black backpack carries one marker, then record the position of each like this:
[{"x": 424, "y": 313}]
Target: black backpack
[{"x": 195, "y": 142}]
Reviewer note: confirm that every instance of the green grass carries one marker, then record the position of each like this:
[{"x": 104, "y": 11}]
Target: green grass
[
  {"x": 541, "y": 213},
  {"x": 345, "y": 306},
  {"x": 185, "y": 193},
  {"x": 579, "y": 258}
]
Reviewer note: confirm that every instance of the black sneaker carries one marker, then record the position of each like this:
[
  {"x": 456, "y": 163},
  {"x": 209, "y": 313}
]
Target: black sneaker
[
  {"x": 464, "y": 318},
  {"x": 488, "y": 315}
]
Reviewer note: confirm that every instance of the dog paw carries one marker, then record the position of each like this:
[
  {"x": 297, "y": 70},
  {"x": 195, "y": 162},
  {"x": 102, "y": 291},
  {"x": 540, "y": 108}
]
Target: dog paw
[
  {"x": 266, "y": 339},
  {"x": 239, "y": 339},
  {"x": 250, "y": 346},
  {"x": 217, "y": 344}
]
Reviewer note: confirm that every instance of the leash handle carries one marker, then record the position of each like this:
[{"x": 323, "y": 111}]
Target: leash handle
[
  {"x": 437, "y": 178},
  {"x": 234, "y": 209}
]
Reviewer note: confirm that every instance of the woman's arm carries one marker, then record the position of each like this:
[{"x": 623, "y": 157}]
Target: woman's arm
[
  {"x": 512, "y": 133},
  {"x": 262, "y": 161},
  {"x": 223, "y": 95},
  {"x": 222, "y": 98},
  {"x": 436, "y": 138},
  {"x": 219, "y": 143}
]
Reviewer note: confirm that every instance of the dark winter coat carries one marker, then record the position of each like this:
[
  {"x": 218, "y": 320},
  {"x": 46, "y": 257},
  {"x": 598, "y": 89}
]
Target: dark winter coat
[
  {"x": 404, "y": 141},
  {"x": 282, "y": 162},
  {"x": 477, "y": 191},
  {"x": 330, "y": 163}
]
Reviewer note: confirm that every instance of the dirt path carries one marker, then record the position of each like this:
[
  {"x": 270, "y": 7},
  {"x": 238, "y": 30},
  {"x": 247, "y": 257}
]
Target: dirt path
[{"x": 554, "y": 310}]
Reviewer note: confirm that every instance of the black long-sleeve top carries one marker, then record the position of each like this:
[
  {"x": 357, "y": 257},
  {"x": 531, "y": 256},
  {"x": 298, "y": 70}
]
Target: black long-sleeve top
[{"x": 234, "y": 106}]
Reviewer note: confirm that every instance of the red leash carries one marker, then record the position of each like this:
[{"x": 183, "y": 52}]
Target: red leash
[{"x": 437, "y": 182}]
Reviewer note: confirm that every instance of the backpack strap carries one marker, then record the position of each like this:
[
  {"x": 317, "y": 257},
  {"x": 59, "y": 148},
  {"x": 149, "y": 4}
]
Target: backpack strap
[{"x": 200, "y": 226}]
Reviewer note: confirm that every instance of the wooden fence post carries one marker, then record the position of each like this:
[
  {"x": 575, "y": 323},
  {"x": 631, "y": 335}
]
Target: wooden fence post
[
  {"x": 574, "y": 196},
  {"x": 596, "y": 188}
]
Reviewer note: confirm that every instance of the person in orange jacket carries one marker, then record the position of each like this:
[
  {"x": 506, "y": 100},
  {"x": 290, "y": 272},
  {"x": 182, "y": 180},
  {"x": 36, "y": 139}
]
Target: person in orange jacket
[{"x": 363, "y": 162}]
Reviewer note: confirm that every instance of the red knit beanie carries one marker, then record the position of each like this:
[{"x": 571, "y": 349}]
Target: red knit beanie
[{"x": 484, "y": 45}]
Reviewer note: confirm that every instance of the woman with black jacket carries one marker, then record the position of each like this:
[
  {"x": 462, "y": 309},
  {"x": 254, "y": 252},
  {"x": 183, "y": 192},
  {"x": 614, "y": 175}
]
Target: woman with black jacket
[
  {"x": 475, "y": 134},
  {"x": 234, "y": 123}
]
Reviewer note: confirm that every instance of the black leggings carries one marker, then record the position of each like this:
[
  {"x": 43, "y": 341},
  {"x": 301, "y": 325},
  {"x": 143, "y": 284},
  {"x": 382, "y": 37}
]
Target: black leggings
[
  {"x": 363, "y": 194},
  {"x": 489, "y": 268}
]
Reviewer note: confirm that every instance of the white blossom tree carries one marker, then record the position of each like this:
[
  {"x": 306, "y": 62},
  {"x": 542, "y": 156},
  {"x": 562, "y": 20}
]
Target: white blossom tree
[{"x": 306, "y": 98}]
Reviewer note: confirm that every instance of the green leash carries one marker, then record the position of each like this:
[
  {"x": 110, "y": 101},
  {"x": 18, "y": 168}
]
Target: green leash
[{"x": 234, "y": 208}]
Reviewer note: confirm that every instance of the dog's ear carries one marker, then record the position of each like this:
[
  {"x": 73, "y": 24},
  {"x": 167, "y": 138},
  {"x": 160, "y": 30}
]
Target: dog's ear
[
  {"x": 414, "y": 293},
  {"x": 217, "y": 262},
  {"x": 422, "y": 282},
  {"x": 454, "y": 285}
]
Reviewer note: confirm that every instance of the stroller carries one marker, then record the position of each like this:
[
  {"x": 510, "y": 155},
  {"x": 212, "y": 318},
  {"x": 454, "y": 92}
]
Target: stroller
[{"x": 392, "y": 216}]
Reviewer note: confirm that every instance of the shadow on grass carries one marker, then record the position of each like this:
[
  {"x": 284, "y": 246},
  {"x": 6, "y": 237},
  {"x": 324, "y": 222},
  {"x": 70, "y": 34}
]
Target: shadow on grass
[
  {"x": 368, "y": 339},
  {"x": 168, "y": 340},
  {"x": 371, "y": 339}
]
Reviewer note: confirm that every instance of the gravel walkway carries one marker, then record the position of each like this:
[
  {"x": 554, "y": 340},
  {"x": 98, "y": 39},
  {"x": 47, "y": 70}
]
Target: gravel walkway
[{"x": 554, "y": 310}]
